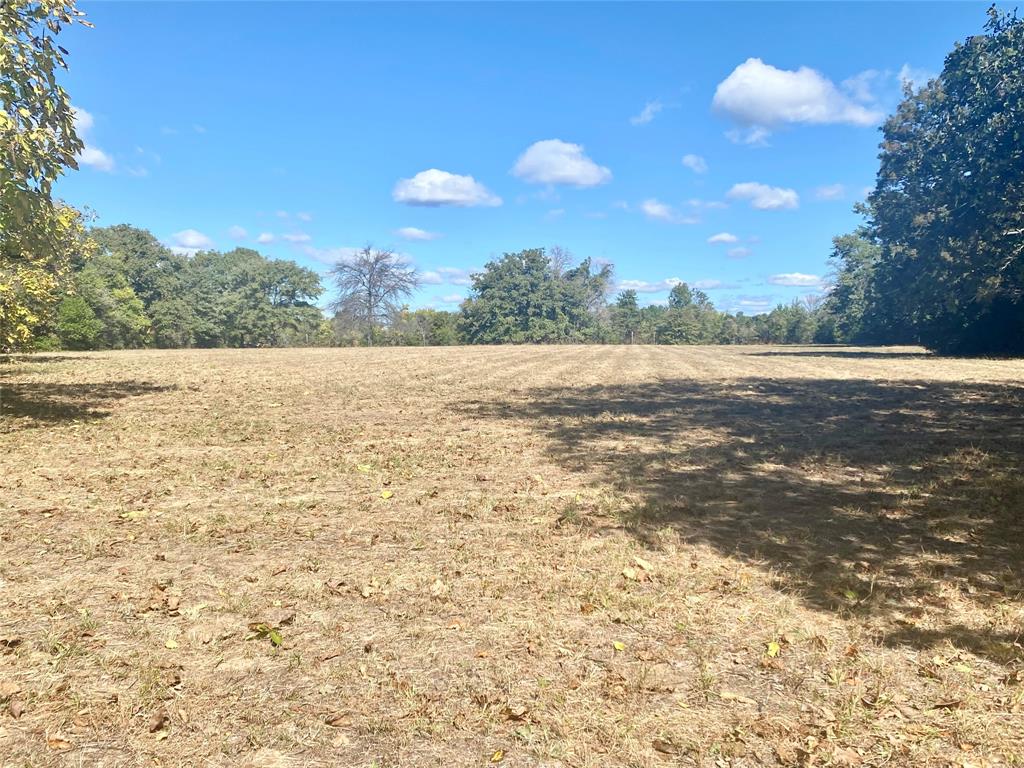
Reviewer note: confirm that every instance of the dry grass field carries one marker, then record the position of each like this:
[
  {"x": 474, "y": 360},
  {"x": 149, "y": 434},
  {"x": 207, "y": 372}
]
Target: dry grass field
[{"x": 557, "y": 556}]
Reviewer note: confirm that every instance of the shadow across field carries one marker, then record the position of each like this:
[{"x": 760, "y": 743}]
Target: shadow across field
[
  {"x": 24, "y": 404},
  {"x": 853, "y": 354},
  {"x": 901, "y": 502}
]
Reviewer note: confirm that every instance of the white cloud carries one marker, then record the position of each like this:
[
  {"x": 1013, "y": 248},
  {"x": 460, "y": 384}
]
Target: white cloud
[
  {"x": 643, "y": 286},
  {"x": 558, "y": 162},
  {"x": 830, "y": 192},
  {"x": 237, "y": 233},
  {"x": 281, "y": 214},
  {"x": 651, "y": 108},
  {"x": 723, "y": 237},
  {"x": 862, "y": 85},
  {"x": 91, "y": 155},
  {"x": 96, "y": 158},
  {"x": 695, "y": 163},
  {"x": 453, "y": 298},
  {"x": 713, "y": 285},
  {"x": 296, "y": 237},
  {"x": 653, "y": 209},
  {"x": 434, "y": 187},
  {"x": 265, "y": 237},
  {"x": 796, "y": 279},
  {"x": 915, "y": 77},
  {"x": 192, "y": 238},
  {"x": 330, "y": 256},
  {"x": 763, "y": 197},
  {"x": 659, "y": 211},
  {"x": 738, "y": 253},
  {"x": 415, "y": 233},
  {"x": 695, "y": 202},
  {"x": 455, "y": 275},
  {"x": 303, "y": 216},
  {"x": 759, "y": 97},
  {"x": 431, "y": 278},
  {"x": 755, "y": 136}
]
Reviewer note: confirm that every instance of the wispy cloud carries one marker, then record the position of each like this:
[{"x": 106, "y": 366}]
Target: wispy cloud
[{"x": 648, "y": 113}]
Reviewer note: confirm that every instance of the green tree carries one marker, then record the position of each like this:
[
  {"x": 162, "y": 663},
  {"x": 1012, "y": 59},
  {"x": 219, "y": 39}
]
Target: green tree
[
  {"x": 626, "y": 316},
  {"x": 77, "y": 324},
  {"x": 38, "y": 236},
  {"x": 948, "y": 207}
]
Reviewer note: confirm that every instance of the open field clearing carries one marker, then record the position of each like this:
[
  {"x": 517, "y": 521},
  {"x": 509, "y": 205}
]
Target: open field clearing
[{"x": 548, "y": 556}]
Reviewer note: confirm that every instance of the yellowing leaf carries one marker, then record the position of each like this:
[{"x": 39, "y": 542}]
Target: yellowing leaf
[
  {"x": 498, "y": 756},
  {"x": 773, "y": 649},
  {"x": 363, "y": 467},
  {"x": 171, "y": 643},
  {"x": 619, "y": 646},
  {"x": 643, "y": 564},
  {"x": 386, "y": 494}
]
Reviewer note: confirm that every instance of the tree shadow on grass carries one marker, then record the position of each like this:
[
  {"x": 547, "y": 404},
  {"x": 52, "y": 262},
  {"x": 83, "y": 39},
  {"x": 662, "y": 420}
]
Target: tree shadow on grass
[
  {"x": 24, "y": 404},
  {"x": 901, "y": 502},
  {"x": 853, "y": 354}
]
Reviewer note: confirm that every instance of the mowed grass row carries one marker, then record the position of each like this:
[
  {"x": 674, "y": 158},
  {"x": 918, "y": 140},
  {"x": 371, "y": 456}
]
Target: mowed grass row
[{"x": 558, "y": 556}]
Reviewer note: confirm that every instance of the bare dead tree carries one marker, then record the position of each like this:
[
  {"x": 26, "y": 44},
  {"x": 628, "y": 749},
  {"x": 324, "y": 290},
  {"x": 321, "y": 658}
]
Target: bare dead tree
[{"x": 371, "y": 285}]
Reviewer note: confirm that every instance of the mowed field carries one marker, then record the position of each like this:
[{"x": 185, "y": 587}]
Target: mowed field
[{"x": 547, "y": 556}]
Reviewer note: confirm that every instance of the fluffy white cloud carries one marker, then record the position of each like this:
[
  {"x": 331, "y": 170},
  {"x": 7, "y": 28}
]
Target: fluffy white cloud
[
  {"x": 296, "y": 237},
  {"x": 830, "y": 192},
  {"x": 237, "y": 233},
  {"x": 695, "y": 163},
  {"x": 434, "y": 188},
  {"x": 91, "y": 155},
  {"x": 659, "y": 211},
  {"x": 653, "y": 209},
  {"x": 759, "y": 97},
  {"x": 265, "y": 237},
  {"x": 192, "y": 238},
  {"x": 723, "y": 237},
  {"x": 415, "y": 233},
  {"x": 795, "y": 279},
  {"x": 558, "y": 162},
  {"x": 651, "y": 108},
  {"x": 738, "y": 253},
  {"x": 431, "y": 278},
  {"x": 763, "y": 197}
]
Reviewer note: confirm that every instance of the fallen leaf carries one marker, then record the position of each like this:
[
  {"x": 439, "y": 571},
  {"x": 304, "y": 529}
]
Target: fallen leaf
[
  {"x": 773, "y": 649},
  {"x": 57, "y": 742},
  {"x": 158, "y": 720},
  {"x": 386, "y": 494},
  {"x": 171, "y": 643},
  {"x": 618, "y": 645},
  {"x": 732, "y": 696},
  {"x": 8, "y": 688},
  {"x": 643, "y": 564},
  {"x": 338, "y": 719},
  {"x": 846, "y": 757},
  {"x": 498, "y": 756},
  {"x": 363, "y": 467},
  {"x": 665, "y": 747},
  {"x": 16, "y": 708}
]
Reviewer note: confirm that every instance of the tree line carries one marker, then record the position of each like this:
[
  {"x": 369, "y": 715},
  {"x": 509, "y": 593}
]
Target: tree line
[{"x": 938, "y": 259}]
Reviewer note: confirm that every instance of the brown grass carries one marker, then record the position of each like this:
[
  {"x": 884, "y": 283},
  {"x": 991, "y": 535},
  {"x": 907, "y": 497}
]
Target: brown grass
[{"x": 557, "y": 556}]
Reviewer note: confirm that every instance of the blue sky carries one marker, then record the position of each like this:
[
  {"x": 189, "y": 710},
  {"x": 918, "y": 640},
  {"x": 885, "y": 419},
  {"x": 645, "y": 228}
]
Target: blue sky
[{"x": 720, "y": 144}]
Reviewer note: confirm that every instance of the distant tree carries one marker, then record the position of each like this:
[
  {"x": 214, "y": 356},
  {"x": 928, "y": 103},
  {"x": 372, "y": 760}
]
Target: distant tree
[
  {"x": 947, "y": 210},
  {"x": 38, "y": 236},
  {"x": 77, "y": 324},
  {"x": 626, "y": 316},
  {"x": 370, "y": 286}
]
